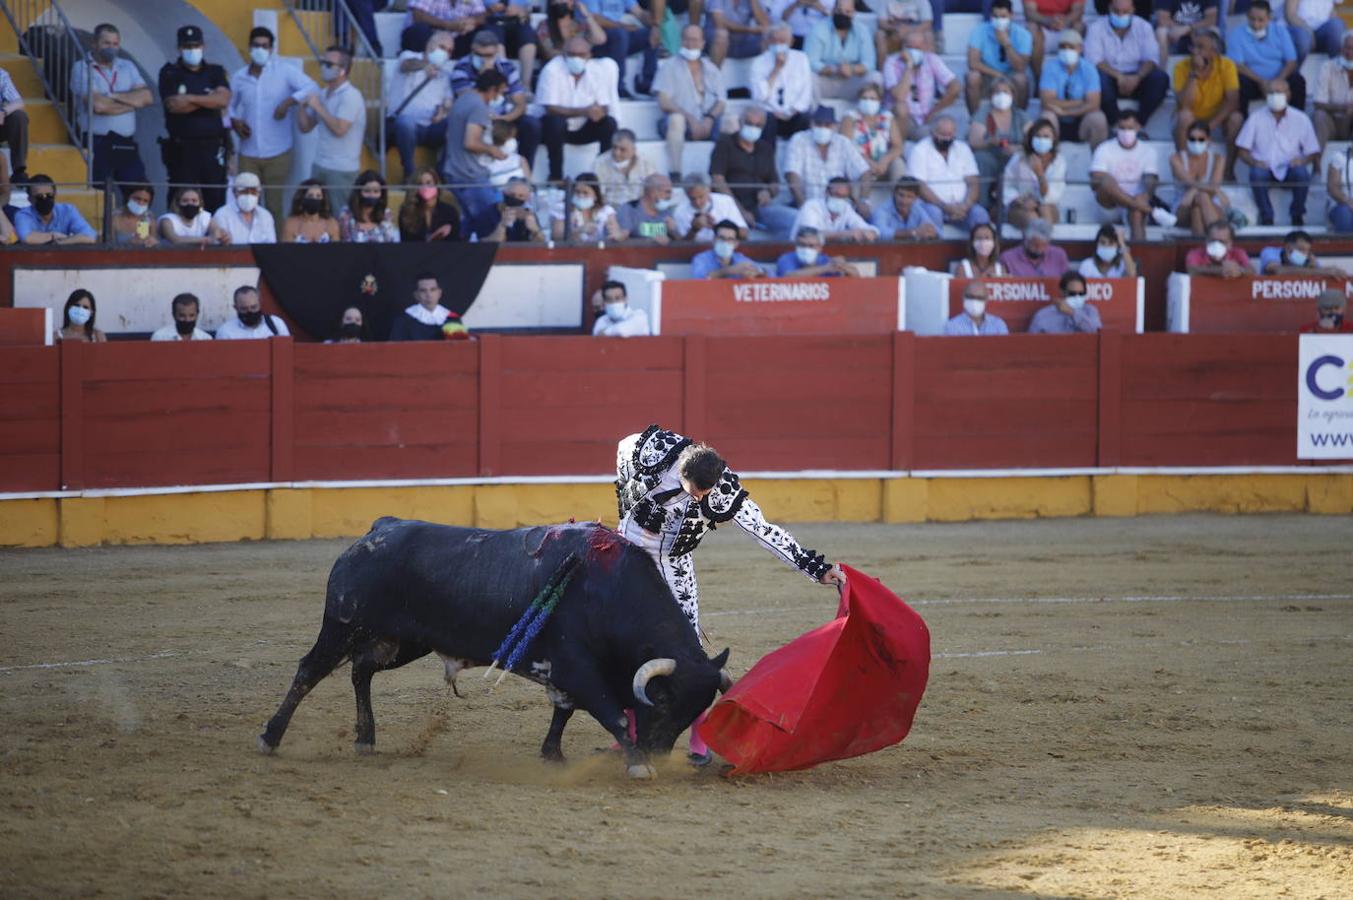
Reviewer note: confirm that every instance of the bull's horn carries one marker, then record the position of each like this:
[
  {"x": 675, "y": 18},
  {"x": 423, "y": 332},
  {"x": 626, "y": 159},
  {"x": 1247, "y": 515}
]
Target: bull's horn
[
  {"x": 654, "y": 667},
  {"x": 725, "y": 681}
]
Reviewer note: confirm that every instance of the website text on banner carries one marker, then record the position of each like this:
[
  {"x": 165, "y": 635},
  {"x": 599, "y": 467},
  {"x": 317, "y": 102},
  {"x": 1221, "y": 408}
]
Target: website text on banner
[
  {"x": 782, "y": 307},
  {"x": 1017, "y": 299},
  {"x": 1325, "y": 397},
  {"x": 1270, "y": 303}
]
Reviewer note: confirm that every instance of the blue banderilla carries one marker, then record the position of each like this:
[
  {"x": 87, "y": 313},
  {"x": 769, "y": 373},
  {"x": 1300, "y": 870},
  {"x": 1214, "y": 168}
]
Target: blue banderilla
[{"x": 513, "y": 647}]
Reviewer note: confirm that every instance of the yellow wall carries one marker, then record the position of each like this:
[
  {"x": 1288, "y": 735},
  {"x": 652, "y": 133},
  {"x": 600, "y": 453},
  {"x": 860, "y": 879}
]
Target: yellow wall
[{"x": 298, "y": 514}]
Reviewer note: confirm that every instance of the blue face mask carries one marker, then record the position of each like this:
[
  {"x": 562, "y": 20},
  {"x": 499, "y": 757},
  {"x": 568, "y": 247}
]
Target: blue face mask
[
  {"x": 1041, "y": 144},
  {"x": 1118, "y": 21},
  {"x": 1075, "y": 301},
  {"x": 1296, "y": 257}
]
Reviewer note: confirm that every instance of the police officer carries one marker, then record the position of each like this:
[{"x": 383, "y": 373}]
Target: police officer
[{"x": 195, "y": 94}]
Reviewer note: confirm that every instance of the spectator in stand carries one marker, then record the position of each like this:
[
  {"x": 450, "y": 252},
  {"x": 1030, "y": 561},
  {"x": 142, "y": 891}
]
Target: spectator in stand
[
  {"x": 743, "y": 167},
  {"x": 1036, "y": 257},
  {"x": 1263, "y": 52},
  {"x": 1050, "y": 20},
  {"x": 424, "y": 215},
  {"x": 1177, "y": 21},
  {"x": 621, "y": 170},
  {"x": 418, "y": 97},
  {"x": 14, "y": 126},
  {"x": 565, "y": 20},
  {"x": 503, "y": 135},
  {"x": 1034, "y": 181},
  {"x": 367, "y": 218},
  {"x": 424, "y": 318},
  {"x": 1218, "y": 257},
  {"x": 511, "y": 22},
  {"x": 1123, "y": 173},
  {"x": 906, "y": 218},
  {"x": 78, "y": 319},
  {"x": 875, "y": 131},
  {"x": 1333, "y": 116},
  {"x": 593, "y": 220},
  {"x": 1279, "y": 145},
  {"x": 512, "y": 219},
  {"x": 580, "y": 99},
  {"x": 250, "y": 322},
  {"x": 351, "y": 327},
  {"x": 650, "y": 217},
  {"x": 461, "y": 18},
  {"x": 899, "y": 18},
  {"x": 468, "y": 130},
  {"x": 186, "y": 222},
  {"x": 799, "y": 16},
  {"x": 627, "y": 26},
  {"x": 619, "y": 319},
  {"x": 1070, "y": 313},
  {"x": 45, "y": 221},
  {"x": 1295, "y": 257},
  {"x": 339, "y": 113},
  {"x": 312, "y": 220},
  {"x": 735, "y": 28},
  {"x": 1329, "y": 314},
  {"x": 119, "y": 91},
  {"x": 947, "y": 173},
  {"x": 511, "y": 107},
  {"x": 996, "y": 133},
  {"x": 723, "y": 259},
  {"x": 782, "y": 85},
  {"x": 920, "y": 87},
  {"x": 974, "y": 321},
  {"x": 246, "y": 222},
  {"x": 999, "y": 51},
  {"x": 184, "y": 309},
  {"x": 195, "y": 96},
  {"x": 133, "y": 225},
  {"x": 1314, "y": 25},
  {"x": 840, "y": 52},
  {"x": 1339, "y": 186},
  {"x": 1207, "y": 88},
  {"x": 691, "y": 93},
  {"x": 807, "y": 260},
  {"x": 262, "y": 96},
  {"x": 834, "y": 216},
  {"x": 1198, "y": 182},
  {"x": 1068, "y": 90},
  {"x": 1124, "y": 49},
  {"x": 983, "y": 259},
  {"x": 815, "y": 157},
  {"x": 700, "y": 209},
  {"x": 1112, "y": 259}
]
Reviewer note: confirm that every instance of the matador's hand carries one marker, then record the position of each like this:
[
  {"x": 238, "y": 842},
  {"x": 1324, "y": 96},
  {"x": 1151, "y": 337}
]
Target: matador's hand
[{"x": 835, "y": 575}]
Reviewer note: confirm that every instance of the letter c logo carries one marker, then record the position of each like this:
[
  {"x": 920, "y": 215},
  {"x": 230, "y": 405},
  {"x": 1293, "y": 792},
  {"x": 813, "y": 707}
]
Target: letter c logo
[{"x": 1315, "y": 388}]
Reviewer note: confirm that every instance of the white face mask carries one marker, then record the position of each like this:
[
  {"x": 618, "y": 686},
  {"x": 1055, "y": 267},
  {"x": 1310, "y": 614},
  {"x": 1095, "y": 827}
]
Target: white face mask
[
  {"x": 915, "y": 55},
  {"x": 1106, "y": 253},
  {"x": 1277, "y": 102},
  {"x": 1041, "y": 144},
  {"x": 330, "y": 72},
  {"x": 438, "y": 56},
  {"x": 1127, "y": 137},
  {"x": 1216, "y": 249},
  {"x": 974, "y": 308},
  {"x": 584, "y": 202},
  {"x": 509, "y": 146},
  {"x": 1001, "y": 23},
  {"x": 260, "y": 55},
  {"x": 1346, "y": 63},
  {"x": 665, "y": 203},
  {"x": 1002, "y": 101},
  {"x": 690, "y": 53},
  {"x": 246, "y": 202},
  {"x": 1197, "y": 148},
  {"x": 1069, "y": 56},
  {"x": 1259, "y": 33},
  {"x": 806, "y": 255},
  {"x": 79, "y": 315},
  {"x": 137, "y": 209},
  {"x": 1075, "y": 301},
  {"x": 869, "y": 106},
  {"x": 822, "y": 135},
  {"x": 1296, "y": 257},
  {"x": 781, "y": 49},
  {"x": 576, "y": 64},
  {"x": 724, "y": 249},
  {"x": 192, "y": 56},
  {"x": 837, "y": 205},
  {"x": 616, "y": 311},
  {"x": 750, "y": 133},
  {"x": 983, "y": 246}
]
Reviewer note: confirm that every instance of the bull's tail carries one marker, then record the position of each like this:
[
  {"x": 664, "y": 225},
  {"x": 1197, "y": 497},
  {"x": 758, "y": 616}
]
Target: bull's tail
[{"x": 333, "y": 645}]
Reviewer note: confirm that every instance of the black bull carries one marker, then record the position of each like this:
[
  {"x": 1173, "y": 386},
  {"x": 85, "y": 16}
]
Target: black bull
[{"x": 407, "y": 588}]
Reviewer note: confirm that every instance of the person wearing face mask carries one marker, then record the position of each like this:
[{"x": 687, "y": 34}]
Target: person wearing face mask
[
  {"x": 77, "y": 319},
  {"x": 418, "y": 96},
  {"x": 1034, "y": 181},
  {"x": 133, "y": 225},
  {"x": 735, "y": 28},
  {"x": 488, "y": 53},
  {"x": 919, "y": 86},
  {"x": 45, "y": 221},
  {"x": 118, "y": 92},
  {"x": 1279, "y": 145},
  {"x": 743, "y": 166},
  {"x": 1296, "y": 256},
  {"x": 1333, "y": 116},
  {"x": 999, "y": 50},
  {"x": 262, "y": 96},
  {"x": 503, "y": 135},
  {"x": 311, "y": 220},
  {"x": 840, "y": 52},
  {"x": 184, "y": 310},
  {"x": 1124, "y": 49},
  {"x": 983, "y": 259},
  {"x": 782, "y": 84},
  {"x": 1218, "y": 257},
  {"x": 1263, "y": 52},
  {"x": 581, "y": 97},
  {"x": 692, "y": 95},
  {"x": 947, "y": 172},
  {"x": 1207, "y": 88},
  {"x": 618, "y": 318},
  {"x": 1069, "y": 93},
  {"x": 1036, "y": 256},
  {"x": 250, "y": 322},
  {"x": 1330, "y": 309},
  {"x": 975, "y": 321},
  {"x": 459, "y": 17},
  {"x": 195, "y": 94},
  {"x": 816, "y": 156},
  {"x": 187, "y": 223},
  {"x": 246, "y": 222},
  {"x": 591, "y": 219},
  {"x": 996, "y": 134},
  {"x": 513, "y": 219},
  {"x": 621, "y": 170},
  {"x": 723, "y": 259},
  {"x": 1071, "y": 313},
  {"x": 338, "y": 115},
  {"x": 1198, "y": 182},
  {"x": 351, "y": 329},
  {"x": 1112, "y": 259},
  {"x": 1123, "y": 174},
  {"x": 1050, "y": 20},
  {"x": 835, "y": 217},
  {"x": 367, "y": 218},
  {"x": 650, "y": 217},
  {"x": 807, "y": 260},
  {"x": 700, "y": 209},
  {"x": 875, "y": 131},
  {"x": 424, "y": 215}
]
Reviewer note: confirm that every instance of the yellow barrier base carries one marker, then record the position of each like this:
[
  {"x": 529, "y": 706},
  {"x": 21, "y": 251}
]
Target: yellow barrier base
[{"x": 302, "y": 513}]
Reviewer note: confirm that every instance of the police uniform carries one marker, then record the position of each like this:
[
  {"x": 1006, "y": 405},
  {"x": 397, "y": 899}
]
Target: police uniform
[
  {"x": 195, "y": 151},
  {"x": 659, "y": 516}
]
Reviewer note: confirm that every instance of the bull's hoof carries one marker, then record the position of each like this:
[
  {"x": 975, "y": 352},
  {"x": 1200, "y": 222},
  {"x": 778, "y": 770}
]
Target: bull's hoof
[
  {"x": 264, "y": 747},
  {"x": 553, "y": 756},
  {"x": 643, "y": 772},
  {"x": 364, "y": 749}
]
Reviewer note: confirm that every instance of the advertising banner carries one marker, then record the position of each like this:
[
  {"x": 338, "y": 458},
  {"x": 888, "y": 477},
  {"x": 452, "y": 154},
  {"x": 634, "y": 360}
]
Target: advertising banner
[{"x": 1325, "y": 397}]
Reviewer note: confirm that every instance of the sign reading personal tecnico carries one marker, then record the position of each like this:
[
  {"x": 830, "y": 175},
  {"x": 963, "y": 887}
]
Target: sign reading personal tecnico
[
  {"x": 1269, "y": 303},
  {"x": 1016, "y": 299},
  {"x": 1325, "y": 397},
  {"x": 780, "y": 306}
]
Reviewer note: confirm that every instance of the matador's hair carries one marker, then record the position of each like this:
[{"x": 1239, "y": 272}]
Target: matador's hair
[{"x": 701, "y": 466}]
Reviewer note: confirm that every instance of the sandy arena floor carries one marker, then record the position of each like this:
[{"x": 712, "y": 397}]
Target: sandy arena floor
[{"x": 1132, "y": 708}]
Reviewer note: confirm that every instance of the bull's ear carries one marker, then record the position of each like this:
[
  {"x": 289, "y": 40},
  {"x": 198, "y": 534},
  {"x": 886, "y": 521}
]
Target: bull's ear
[{"x": 721, "y": 660}]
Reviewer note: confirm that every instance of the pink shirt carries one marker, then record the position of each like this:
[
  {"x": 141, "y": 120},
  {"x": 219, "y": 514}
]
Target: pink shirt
[
  {"x": 927, "y": 80},
  {"x": 1198, "y": 257}
]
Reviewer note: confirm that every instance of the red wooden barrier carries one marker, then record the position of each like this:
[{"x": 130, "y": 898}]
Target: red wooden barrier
[
  {"x": 1015, "y": 300},
  {"x": 23, "y": 327},
  {"x": 30, "y": 419},
  {"x": 772, "y": 306},
  {"x": 1276, "y": 303}
]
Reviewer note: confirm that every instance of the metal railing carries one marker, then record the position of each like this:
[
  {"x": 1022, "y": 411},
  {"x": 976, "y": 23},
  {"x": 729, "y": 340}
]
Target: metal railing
[
  {"x": 323, "y": 23},
  {"x": 53, "y": 46}
]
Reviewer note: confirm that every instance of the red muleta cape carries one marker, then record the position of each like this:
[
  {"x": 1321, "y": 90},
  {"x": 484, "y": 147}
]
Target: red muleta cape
[{"x": 845, "y": 689}]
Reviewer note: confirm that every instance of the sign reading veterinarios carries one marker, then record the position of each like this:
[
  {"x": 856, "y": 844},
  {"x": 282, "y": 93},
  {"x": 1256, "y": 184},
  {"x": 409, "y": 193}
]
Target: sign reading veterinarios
[
  {"x": 1325, "y": 397},
  {"x": 767, "y": 306}
]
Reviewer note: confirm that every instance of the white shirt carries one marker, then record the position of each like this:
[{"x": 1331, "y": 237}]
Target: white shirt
[
  {"x": 598, "y": 85},
  {"x": 1128, "y": 167},
  {"x": 253, "y": 99},
  {"x": 634, "y": 324},
  {"x": 1276, "y": 142},
  {"x": 815, "y": 214},
  {"x": 234, "y": 330},
  {"x": 718, "y": 207},
  {"x": 199, "y": 227},
  {"x": 1315, "y": 13},
  {"x": 261, "y": 230},
  {"x": 342, "y": 154},
  {"x": 424, "y": 104},
  {"x": 171, "y": 333},
  {"x": 945, "y": 176},
  {"x": 1020, "y": 181},
  {"x": 120, "y": 77},
  {"x": 792, "y": 90}
]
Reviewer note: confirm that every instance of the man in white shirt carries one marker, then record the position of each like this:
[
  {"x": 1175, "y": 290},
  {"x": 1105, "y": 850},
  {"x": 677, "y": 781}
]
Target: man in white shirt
[
  {"x": 246, "y": 222},
  {"x": 1123, "y": 173},
  {"x": 699, "y": 210},
  {"x": 691, "y": 92},
  {"x": 782, "y": 85},
  {"x": 834, "y": 216},
  {"x": 339, "y": 111},
  {"x": 580, "y": 96},
  {"x": 184, "y": 308},
  {"x": 418, "y": 98},
  {"x": 947, "y": 172},
  {"x": 621, "y": 170},
  {"x": 119, "y": 91},
  {"x": 250, "y": 322},
  {"x": 618, "y": 318},
  {"x": 262, "y": 95},
  {"x": 816, "y": 156},
  {"x": 1279, "y": 145}
]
